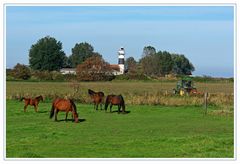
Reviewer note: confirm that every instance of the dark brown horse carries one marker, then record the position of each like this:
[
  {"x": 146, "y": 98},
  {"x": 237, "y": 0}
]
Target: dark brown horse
[
  {"x": 64, "y": 105},
  {"x": 97, "y": 98},
  {"x": 115, "y": 100},
  {"x": 33, "y": 102}
]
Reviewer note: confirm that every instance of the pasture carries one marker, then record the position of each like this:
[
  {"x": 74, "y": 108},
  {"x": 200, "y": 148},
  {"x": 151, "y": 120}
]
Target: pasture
[
  {"x": 135, "y": 93},
  {"x": 147, "y": 131},
  {"x": 150, "y": 129}
]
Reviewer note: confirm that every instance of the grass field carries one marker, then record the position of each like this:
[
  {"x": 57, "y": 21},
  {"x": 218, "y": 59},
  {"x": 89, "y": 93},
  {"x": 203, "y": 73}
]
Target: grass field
[
  {"x": 125, "y": 87},
  {"x": 159, "y": 125},
  {"x": 147, "y": 131},
  {"x": 134, "y": 93}
]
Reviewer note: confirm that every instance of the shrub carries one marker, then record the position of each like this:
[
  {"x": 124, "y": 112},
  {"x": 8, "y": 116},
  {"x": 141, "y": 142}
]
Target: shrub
[
  {"x": 21, "y": 71},
  {"x": 48, "y": 76},
  {"x": 130, "y": 76},
  {"x": 42, "y": 75}
]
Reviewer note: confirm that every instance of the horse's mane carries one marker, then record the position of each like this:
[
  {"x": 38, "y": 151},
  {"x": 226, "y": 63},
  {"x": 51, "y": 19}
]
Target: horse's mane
[
  {"x": 110, "y": 96},
  {"x": 101, "y": 94},
  {"x": 39, "y": 97},
  {"x": 91, "y": 92}
]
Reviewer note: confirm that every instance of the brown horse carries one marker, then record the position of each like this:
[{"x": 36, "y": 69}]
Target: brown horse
[
  {"x": 65, "y": 105},
  {"x": 115, "y": 100},
  {"x": 33, "y": 102},
  {"x": 97, "y": 98}
]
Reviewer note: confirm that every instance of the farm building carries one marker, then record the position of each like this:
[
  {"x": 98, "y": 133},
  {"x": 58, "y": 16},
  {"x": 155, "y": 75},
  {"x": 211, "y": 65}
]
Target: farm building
[
  {"x": 118, "y": 69},
  {"x": 65, "y": 71}
]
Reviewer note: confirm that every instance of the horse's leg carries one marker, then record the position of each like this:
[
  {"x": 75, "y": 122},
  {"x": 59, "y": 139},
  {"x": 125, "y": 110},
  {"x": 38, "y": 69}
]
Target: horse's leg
[
  {"x": 119, "y": 107},
  {"x": 101, "y": 105},
  {"x": 25, "y": 107},
  {"x": 106, "y": 106},
  {"x": 97, "y": 106},
  {"x": 55, "y": 113},
  {"x": 111, "y": 108},
  {"x": 66, "y": 115},
  {"x": 35, "y": 108}
]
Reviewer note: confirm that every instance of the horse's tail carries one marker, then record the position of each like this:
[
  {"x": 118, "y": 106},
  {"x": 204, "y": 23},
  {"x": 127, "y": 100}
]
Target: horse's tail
[
  {"x": 106, "y": 103},
  {"x": 52, "y": 110},
  {"x": 122, "y": 103},
  {"x": 90, "y": 92}
]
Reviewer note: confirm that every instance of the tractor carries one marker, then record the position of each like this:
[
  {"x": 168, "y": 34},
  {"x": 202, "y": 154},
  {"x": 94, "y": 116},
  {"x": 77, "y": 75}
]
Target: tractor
[{"x": 184, "y": 87}]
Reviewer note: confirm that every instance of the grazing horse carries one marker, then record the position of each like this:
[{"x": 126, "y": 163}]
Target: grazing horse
[
  {"x": 115, "y": 100},
  {"x": 97, "y": 97},
  {"x": 33, "y": 102},
  {"x": 65, "y": 105}
]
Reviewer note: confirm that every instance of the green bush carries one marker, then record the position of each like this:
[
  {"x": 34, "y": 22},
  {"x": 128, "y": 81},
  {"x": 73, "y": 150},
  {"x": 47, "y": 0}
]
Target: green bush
[
  {"x": 21, "y": 72},
  {"x": 42, "y": 75},
  {"x": 47, "y": 76},
  {"x": 129, "y": 76}
]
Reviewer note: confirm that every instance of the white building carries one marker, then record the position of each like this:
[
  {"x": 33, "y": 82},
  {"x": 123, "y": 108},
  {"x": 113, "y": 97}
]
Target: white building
[
  {"x": 121, "y": 61},
  {"x": 65, "y": 71},
  {"x": 119, "y": 69}
]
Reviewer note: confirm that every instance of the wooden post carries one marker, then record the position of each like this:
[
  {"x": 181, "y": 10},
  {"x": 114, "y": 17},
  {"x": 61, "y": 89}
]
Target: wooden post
[{"x": 205, "y": 102}]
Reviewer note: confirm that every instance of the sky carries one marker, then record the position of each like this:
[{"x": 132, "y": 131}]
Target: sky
[{"x": 204, "y": 34}]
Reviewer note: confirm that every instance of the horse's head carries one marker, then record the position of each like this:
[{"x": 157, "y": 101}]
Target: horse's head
[
  {"x": 75, "y": 115},
  {"x": 41, "y": 97},
  {"x": 91, "y": 92}
]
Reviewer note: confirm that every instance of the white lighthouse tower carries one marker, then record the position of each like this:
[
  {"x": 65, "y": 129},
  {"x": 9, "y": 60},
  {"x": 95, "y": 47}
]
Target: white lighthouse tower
[{"x": 121, "y": 54}]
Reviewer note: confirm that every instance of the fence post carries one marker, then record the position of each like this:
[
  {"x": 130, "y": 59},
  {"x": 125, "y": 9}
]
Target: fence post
[{"x": 205, "y": 102}]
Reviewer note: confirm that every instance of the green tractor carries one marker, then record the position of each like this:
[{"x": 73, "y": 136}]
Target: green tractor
[{"x": 184, "y": 87}]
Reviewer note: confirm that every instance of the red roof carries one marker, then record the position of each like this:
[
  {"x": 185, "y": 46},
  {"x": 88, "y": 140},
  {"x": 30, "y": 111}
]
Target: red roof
[{"x": 115, "y": 67}]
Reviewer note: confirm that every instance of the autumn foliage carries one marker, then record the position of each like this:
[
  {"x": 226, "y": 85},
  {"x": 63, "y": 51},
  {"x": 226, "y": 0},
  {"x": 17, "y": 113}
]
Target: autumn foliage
[{"x": 94, "y": 69}]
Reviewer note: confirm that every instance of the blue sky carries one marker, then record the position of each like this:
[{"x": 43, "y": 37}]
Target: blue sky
[{"x": 204, "y": 34}]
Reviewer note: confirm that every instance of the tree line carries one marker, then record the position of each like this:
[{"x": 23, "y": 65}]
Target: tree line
[
  {"x": 47, "y": 56},
  {"x": 162, "y": 63}
]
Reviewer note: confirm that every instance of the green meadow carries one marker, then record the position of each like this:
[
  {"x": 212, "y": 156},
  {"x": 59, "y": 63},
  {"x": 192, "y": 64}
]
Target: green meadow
[{"x": 147, "y": 131}]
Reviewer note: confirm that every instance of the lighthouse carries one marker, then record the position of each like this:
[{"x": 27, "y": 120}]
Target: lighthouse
[{"x": 121, "y": 54}]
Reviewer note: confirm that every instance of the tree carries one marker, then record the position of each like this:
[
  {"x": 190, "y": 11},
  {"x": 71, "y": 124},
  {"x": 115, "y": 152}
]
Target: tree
[
  {"x": 46, "y": 54},
  {"x": 80, "y": 53},
  {"x": 21, "y": 71},
  {"x": 165, "y": 63},
  {"x": 131, "y": 65},
  {"x": 148, "y": 65},
  {"x": 148, "y": 50},
  {"x": 158, "y": 64},
  {"x": 94, "y": 69},
  {"x": 181, "y": 65}
]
